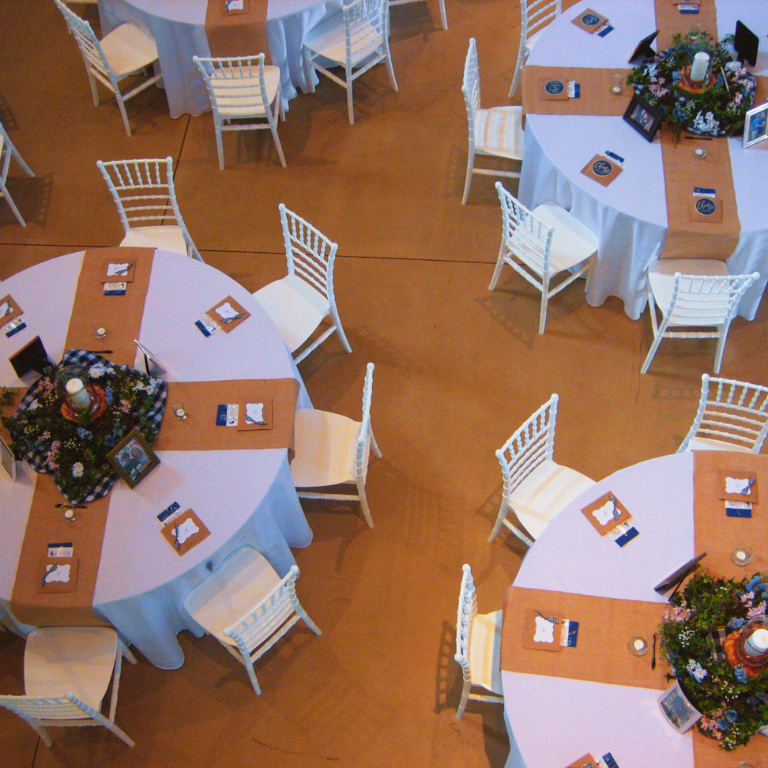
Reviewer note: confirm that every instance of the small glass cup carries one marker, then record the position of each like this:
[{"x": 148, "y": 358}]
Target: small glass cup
[
  {"x": 68, "y": 513},
  {"x": 700, "y": 154},
  {"x": 638, "y": 645},
  {"x": 617, "y": 81},
  {"x": 179, "y": 411},
  {"x": 100, "y": 331},
  {"x": 742, "y": 554}
]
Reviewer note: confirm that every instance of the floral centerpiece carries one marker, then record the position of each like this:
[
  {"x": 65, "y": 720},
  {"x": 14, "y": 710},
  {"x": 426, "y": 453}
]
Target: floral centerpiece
[
  {"x": 733, "y": 701},
  {"x": 75, "y": 451},
  {"x": 719, "y": 109}
]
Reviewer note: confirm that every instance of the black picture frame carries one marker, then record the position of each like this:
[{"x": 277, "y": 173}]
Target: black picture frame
[
  {"x": 643, "y": 52},
  {"x": 133, "y": 458},
  {"x": 643, "y": 117},
  {"x": 746, "y": 43},
  {"x": 676, "y": 577},
  {"x": 31, "y": 357}
]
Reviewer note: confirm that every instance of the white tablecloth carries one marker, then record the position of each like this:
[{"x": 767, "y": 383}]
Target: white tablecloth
[
  {"x": 571, "y": 557},
  {"x": 178, "y": 27},
  {"x": 630, "y": 216},
  {"x": 243, "y": 497}
]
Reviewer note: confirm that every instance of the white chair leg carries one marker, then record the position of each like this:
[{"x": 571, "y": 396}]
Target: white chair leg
[
  {"x": 651, "y": 353},
  {"x": 305, "y": 616},
  {"x": 521, "y": 57},
  {"x": 350, "y": 105},
  {"x": 374, "y": 444},
  {"x": 720, "y": 349},
  {"x": 364, "y": 506},
  {"x": 468, "y": 180},
  {"x": 39, "y": 730},
  {"x": 340, "y": 331},
  {"x": 280, "y": 150},
  {"x": 443, "y": 17},
  {"x": 92, "y": 83},
  {"x": 19, "y": 218},
  {"x": 219, "y": 146},
  {"x": 20, "y": 160},
  {"x": 464, "y": 699},
  {"x": 497, "y": 270},
  {"x": 543, "y": 311},
  {"x": 123, "y": 113},
  {"x": 391, "y": 70},
  {"x": 126, "y": 652},
  {"x": 252, "y": 675},
  {"x": 499, "y": 521}
]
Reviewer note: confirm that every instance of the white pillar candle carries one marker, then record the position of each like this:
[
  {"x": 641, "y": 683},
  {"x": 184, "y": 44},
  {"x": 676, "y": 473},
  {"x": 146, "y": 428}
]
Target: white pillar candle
[
  {"x": 757, "y": 642},
  {"x": 639, "y": 644},
  {"x": 699, "y": 67},
  {"x": 77, "y": 393}
]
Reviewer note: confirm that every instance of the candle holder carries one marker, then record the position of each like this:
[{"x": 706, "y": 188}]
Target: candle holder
[
  {"x": 80, "y": 398},
  {"x": 100, "y": 331},
  {"x": 748, "y": 654},
  {"x": 742, "y": 555},
  {"x": 617, "y": 81},
  {"x": 638, "y": 645},
  {"x": 179, "y": 411}
]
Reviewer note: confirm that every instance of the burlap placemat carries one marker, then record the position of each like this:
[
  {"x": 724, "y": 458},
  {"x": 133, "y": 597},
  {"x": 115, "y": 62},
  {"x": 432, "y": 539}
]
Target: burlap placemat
[
  {"x": 237, "y": 34},
  {"x": 669, "y": 21},
  {"x": 605, "y": 628}
]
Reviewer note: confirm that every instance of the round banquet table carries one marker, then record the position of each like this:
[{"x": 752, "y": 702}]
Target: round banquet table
[
  {"x": 178, "y": 27},
  {"x": 245, "y": 497},
  {"x": 630, "y": 215},
  {"x": 552, "y": 721}
]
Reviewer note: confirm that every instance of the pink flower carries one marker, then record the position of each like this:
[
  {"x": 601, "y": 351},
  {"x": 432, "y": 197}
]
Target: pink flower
[
  {"x": 747, "y": 596},
  {"x": 758, "y": 610},
  {"x": 125, "y": 406}
]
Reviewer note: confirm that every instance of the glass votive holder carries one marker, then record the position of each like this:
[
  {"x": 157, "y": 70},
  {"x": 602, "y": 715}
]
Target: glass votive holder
[
  {"x": 100, "y": 331},
  {"x": 179, "y": 411},
  {"x": 742, "y": 554},
  {"x": 699, "y": 154},
  {"x": 617, "y": 81},
  {"x": 638, "y": 645},
  {"x": 68, "y": 513}
]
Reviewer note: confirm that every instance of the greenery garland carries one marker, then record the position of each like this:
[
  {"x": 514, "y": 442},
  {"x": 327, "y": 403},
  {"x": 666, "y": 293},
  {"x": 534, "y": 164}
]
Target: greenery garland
[
  {"x": 75, "y": 453},
  {"x": 717, "y": 111},
  {"x": 734, "y": 705}
]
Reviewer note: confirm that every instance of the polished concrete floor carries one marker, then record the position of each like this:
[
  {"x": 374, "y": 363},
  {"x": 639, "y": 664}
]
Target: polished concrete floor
[{"x": 457, "y": 369}]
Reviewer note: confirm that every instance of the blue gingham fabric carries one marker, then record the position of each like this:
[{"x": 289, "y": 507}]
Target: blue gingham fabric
[{"x": 86, "y": 359}]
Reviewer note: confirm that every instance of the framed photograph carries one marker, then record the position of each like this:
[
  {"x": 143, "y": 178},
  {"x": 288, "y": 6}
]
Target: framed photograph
[
  {"x": 756, "y": 125},
  {"x": 643, "y": 117},
  {"x": 643, "y": 52},
  {"x": 679, "y": 712},
  {"x": 133, "y": 458},
  {"x": 8, "y": 459}
]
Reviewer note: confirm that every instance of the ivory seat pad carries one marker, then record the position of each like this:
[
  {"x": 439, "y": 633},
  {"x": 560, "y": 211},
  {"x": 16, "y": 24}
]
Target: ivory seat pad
[
  {"x": 295, "y": 307},
  {"x": 165, "y": 238},
  {"x": 708, "y": 444},
  {"x": 128, "y": 49},
  {"x": 61, "y": 660},
  {"x": 661, "y": 277},
  {"x": 329, "y": 40},
  {"x": 236, "y": 587},
  {"x": 499, "y": 132},
  {"x": 542, "y": 494},
  {"x": 485, "y": 650},
  {"x": 325, "y": 449},
  {"x": 241, "y": 96}
]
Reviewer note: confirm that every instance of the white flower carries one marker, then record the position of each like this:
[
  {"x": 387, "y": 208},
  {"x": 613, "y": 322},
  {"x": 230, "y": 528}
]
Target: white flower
[
  {"x": 33, "y": 406},
  {"x": 77, "y": 469},
  {"x": 98, "y": 370}
]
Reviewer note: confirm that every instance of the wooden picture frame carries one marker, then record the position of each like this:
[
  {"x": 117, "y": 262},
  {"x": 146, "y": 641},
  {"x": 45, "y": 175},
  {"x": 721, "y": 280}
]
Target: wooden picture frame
[
  {"x": 756, "y": 126},
  {"x": 133, "y": 458},
  {"x": 8, "y": 459},
  {"x": 642, "y": 117}
]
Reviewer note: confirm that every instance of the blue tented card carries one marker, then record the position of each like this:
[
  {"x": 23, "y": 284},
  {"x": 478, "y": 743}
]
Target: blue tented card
[
  {"x": 207, "y": 326},
  {"x": 227, "y": 415},
  {"x": 618, "y": 158},
  {"x": 63, "y": 549},
  {"x": 704, "y": 192},
  {"x": 574, "y": 90},
  {"x": 625, "y": 538},
  {"x": 114, "y": 289},
  {"x": 604, "y": 32},
  {"x": 688, "y": 7},
  {"x": 167, "y": 512},
  {"x": 570, "y": 633},
  {"x": 14, "y": 327},
  {"x": 738, "y": 509},
  {"x": 609, "y": 761}
]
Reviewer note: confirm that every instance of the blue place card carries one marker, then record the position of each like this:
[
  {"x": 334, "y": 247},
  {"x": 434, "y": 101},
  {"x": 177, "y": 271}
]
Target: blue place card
[
  {"x": 626, "y": 537},
  {"x": 738, "y": 509}
]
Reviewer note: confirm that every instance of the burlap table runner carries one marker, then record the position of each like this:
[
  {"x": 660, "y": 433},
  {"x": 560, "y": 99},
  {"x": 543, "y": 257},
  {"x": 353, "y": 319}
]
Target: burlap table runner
[
  {"x": 122, "y": 316},
  {"x": 198, "y": 432},
  {"x": 237, "y": 34},
  {"x": 596, "y": 96},
  {"x": 669, "y": 21},
  {"x": 714, "y": 532},
  {"x": 601, "y": 654}
]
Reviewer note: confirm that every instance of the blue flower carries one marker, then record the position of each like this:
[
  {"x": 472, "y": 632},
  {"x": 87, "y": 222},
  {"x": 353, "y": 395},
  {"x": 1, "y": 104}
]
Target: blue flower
[
  {"x": 696, "y": 671},
  {"x": 109, "y": 393},
  {"x": 84, "y": 434},
  {"x": 731, "y": 715},
  {"x": 753, "y": 582},
  {"x": 736, "y": 623},
  {"x": 741, "y": 674}
]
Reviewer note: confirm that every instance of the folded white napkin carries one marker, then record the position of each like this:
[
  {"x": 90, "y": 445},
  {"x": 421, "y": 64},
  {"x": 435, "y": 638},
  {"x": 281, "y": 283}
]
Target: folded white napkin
[
  {"x": 737, "y": 485},
  {"x": 60, "y": 574},
  {"x": 234, "y": 5},
  {"x": 254, "y": 413},
  {"x": 117, "y": 269},
  {"x": 604, "y": 514},
  {"x": 187, "y": 529},
  {"x": 545, "y": 631},
  {"x": 226, "y": 311}
]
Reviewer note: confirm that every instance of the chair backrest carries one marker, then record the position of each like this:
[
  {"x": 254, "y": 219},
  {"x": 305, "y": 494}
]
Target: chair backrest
[
  {"x": 363, "y": 445},
  {"x": 236, "y": 85},
  {"x": 731, "y": 411},
  {"x": 530, "y": 446},
  {"x": 6, "y": 152},
  {"x": 45, "y": 708},
  {"x": 310, "y": 254},
  {"x": 366, "y": 25},
  {"x": 90, "y": 47},
  {"x": 464, "y": 620},
  {"x": 536, "y": 14},
  {"x": 257, "y": 631},
  {"x": 143, "y": 192},
  {"x": 706, "y": 300},
  {"x": 529, "y": 238},
  {"x": 471, "y": 87}
]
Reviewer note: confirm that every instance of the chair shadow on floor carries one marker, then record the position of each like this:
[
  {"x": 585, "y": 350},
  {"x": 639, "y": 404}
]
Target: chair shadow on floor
[
  {"x": 483, "y": 191},
  {"x": 489, "y": 509},
  {"x": 407, "y": 21},
  {"x": 32, "y": 196}
]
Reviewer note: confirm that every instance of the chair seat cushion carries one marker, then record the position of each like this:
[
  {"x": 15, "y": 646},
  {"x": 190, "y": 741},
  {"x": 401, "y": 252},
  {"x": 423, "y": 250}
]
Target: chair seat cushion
[
  {"x": 231, "y": 591},
  {"x": 545, "y": 491},
  {"x": 79, "y": 660},
  {"x": 295, "y": 307},
  {"x": 572, "y": 241},
  {"x": 661, "y": 279},
  {"x": 707, "y": 444},
  {"x": 485, "y": 651},
  {"x": 328, "y": 40},
  {"x": 168, "y": 239},
  {"x": 325, "y": 449},
  {"x": 499, "y": 132},
  {"x": 240, "y": 97},
  {"x": 128, "y": 49}
]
